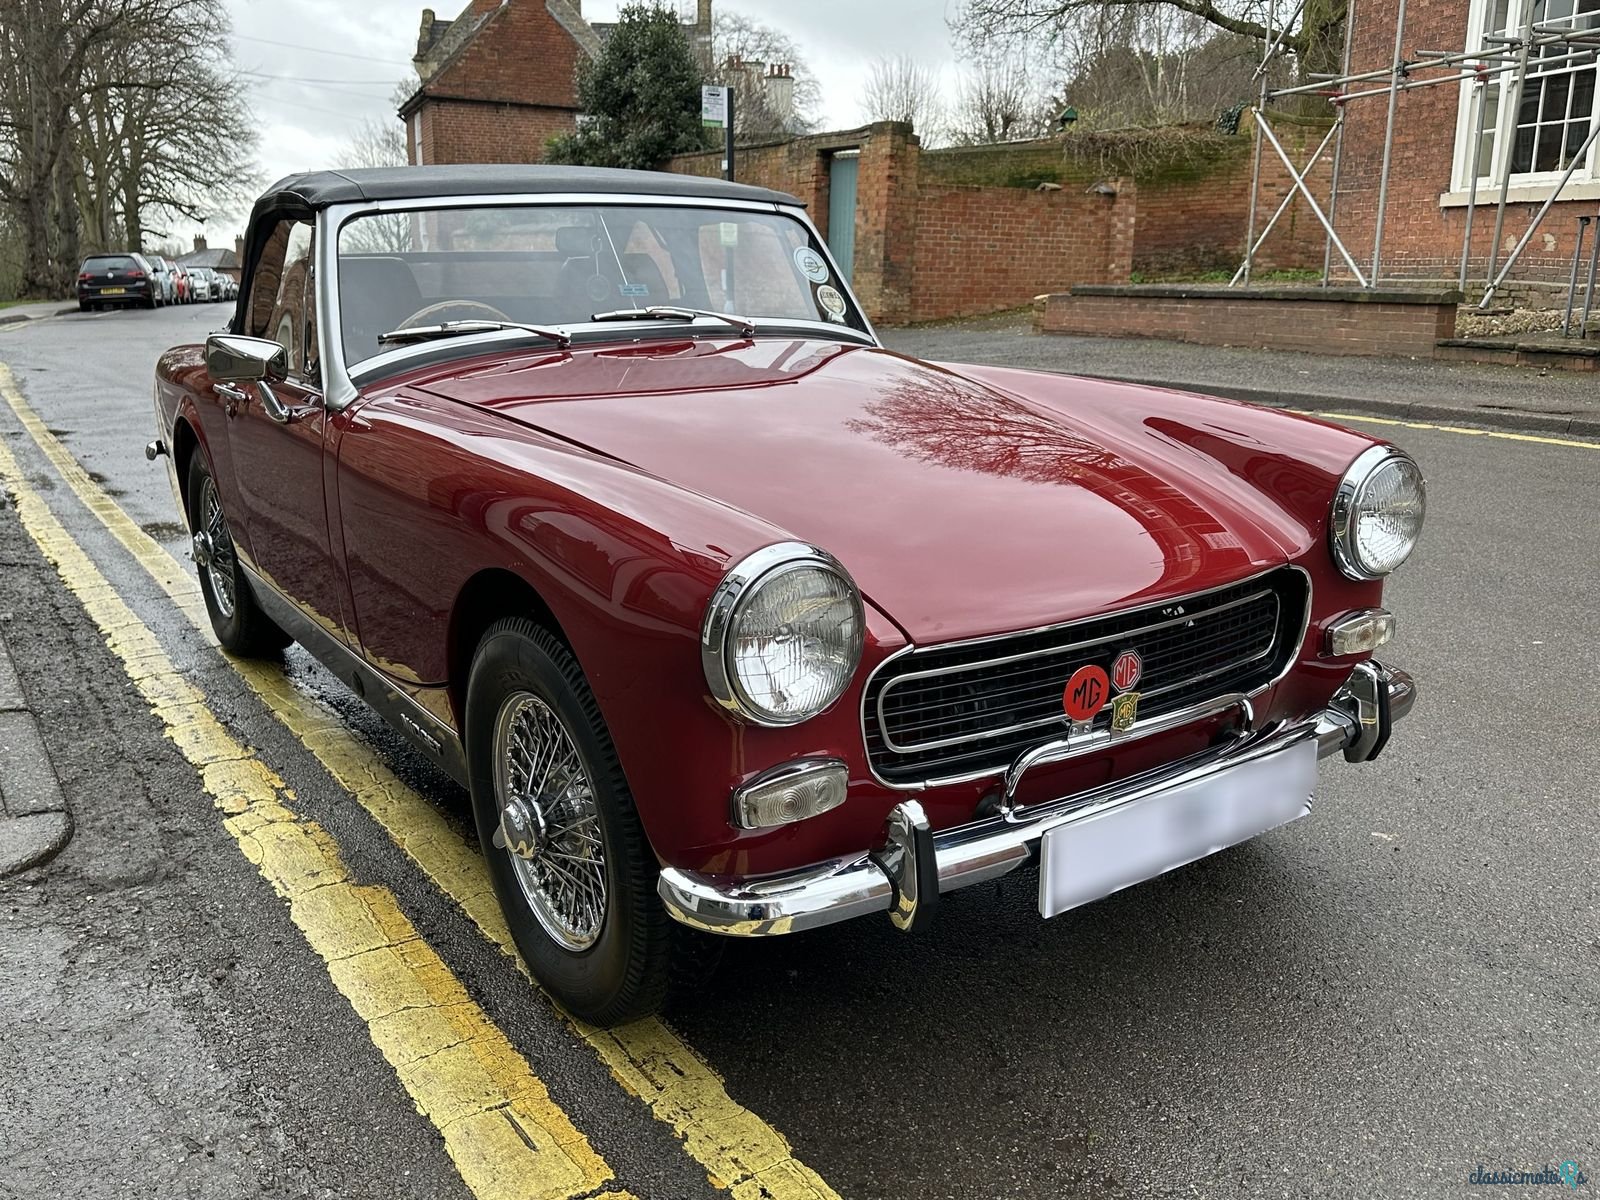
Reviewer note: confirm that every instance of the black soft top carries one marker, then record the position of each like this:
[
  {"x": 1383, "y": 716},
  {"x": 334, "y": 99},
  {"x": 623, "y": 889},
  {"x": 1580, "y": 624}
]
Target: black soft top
[
  {"x": 319, "y": 189},
  {"x": 298, "y": 196}
]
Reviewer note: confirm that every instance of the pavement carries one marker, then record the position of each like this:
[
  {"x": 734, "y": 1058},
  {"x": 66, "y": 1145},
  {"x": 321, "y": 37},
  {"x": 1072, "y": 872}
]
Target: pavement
[
  {"x": 36, "y": 311},
  {"x": 1497, "y": 397},
  {"x": 1371, "y": 1001},
  {"x": 34, "y": 822}
]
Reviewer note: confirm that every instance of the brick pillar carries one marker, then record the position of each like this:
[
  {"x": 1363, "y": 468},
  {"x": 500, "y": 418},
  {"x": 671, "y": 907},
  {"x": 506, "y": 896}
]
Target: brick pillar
[
  {"x": 1121, "y": 224},
  {"x": 886, "y": 220}
]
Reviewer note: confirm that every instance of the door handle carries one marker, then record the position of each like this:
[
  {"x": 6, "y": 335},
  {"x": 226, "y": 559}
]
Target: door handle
[{"x": 232, "y": 396}]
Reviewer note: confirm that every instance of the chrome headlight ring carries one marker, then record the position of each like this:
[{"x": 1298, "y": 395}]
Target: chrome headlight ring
[
  {"x": 740, "y": 588},
  {"x": 1350, "y": 503}
]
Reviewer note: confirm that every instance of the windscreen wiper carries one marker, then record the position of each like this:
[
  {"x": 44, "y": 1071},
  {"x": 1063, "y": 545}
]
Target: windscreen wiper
[
  {"x": 425, "y": 333},
  {"x": 671, "y": 312}
]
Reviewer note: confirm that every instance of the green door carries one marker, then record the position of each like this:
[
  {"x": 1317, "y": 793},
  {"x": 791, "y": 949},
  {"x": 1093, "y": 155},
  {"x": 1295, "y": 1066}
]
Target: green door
[{"x": 842, "y": 172}]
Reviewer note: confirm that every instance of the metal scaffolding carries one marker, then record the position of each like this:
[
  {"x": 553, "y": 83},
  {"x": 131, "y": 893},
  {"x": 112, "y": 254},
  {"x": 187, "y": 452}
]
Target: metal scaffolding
[{"x": 1511, "y": 57}]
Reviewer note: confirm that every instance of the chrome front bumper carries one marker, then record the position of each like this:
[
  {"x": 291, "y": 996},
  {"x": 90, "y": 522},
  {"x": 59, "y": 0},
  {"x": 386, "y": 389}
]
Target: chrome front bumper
[{"x": 906, "y": 876}]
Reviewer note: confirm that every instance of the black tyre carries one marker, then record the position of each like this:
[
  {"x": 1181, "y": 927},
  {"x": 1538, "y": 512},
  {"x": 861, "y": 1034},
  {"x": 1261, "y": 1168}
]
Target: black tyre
[
  {"x": 236, "y": 618},
  {"x": 570, "y": 862},
  {"x": 83, "y": 306}
]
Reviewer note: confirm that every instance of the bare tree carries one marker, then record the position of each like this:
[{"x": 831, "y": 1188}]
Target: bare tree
[
  {"x": 163, "y": 127},
  {"x": 377, "y": 144},
  {"x": 1315, "y": 39},
  {"x": 735, "y": 40},
  {"x": 903, "y": 89},
  {"x": 1000, "y": 100},
  {"x": 45, "y": 48}
]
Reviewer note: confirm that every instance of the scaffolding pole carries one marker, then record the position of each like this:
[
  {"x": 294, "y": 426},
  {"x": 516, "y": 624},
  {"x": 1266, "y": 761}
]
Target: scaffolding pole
[
  {"x": 1497, "y": 58},
  {"x": 1396, "y": 73}
]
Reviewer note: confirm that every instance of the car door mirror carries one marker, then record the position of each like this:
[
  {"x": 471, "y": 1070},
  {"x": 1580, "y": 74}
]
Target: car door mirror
[{"x": 234, "y": 359}]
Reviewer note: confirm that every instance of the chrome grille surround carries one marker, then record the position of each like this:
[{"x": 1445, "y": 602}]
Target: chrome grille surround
[{"x": 960, "y": 711}]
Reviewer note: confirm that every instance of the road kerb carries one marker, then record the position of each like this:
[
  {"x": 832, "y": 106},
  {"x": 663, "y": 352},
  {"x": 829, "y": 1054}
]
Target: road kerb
[
  {"x": 458, "y": 1067},
  {"x": 35, "y": 825},
  {"x": 738, "y": 1150}
]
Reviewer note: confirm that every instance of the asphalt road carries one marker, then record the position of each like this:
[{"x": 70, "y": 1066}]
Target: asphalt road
[{"x": 1373, "y": 1001}]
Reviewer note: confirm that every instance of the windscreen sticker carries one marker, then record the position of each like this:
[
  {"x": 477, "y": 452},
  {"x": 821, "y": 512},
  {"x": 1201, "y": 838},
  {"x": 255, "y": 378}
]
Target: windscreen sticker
[
  {"x": 811, "y": 264},
  {"x": 832, "y": 302},
  {"x": 730, "y": 233},
  {"x": 635, "y": 289}
]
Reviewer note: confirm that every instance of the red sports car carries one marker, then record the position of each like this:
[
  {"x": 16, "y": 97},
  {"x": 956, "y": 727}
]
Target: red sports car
[{"x": 600, "y": 487}]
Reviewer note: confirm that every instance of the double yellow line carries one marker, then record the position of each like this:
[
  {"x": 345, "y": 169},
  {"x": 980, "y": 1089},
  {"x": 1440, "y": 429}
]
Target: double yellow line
[{"x": 504, "y": 1134}]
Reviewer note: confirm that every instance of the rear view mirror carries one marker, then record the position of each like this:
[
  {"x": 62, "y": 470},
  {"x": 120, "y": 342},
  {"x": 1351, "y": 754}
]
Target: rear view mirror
[{"x": 234, "y": 359}]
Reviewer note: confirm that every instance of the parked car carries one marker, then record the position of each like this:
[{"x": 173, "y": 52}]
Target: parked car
[
  {"x": 109, "y": 280},
  {"x": 181, "y": 277},
  {"x": 733, "y": 621},
  {"x": 161, "y": 273},
  {"x": 200, "y": 283}
]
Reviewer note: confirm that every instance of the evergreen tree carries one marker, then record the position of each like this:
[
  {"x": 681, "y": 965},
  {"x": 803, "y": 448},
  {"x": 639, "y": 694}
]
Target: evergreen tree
[{"x": 641, "y": 96}]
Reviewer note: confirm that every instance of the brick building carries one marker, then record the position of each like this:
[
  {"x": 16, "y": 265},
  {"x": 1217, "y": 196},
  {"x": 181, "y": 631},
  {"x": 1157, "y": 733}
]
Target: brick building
[
  {"x": 500, "y": 80},
  {"x": 1433, "y": 157}
]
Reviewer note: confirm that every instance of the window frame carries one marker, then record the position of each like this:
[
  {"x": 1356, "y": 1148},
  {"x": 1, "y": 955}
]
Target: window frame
[{"x": 1503, "y": 131}]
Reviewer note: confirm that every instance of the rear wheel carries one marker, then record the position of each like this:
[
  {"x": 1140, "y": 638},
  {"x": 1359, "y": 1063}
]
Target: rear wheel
[
  {"x": 569, "y": 858},
  {"x": 236, "y": 618}
]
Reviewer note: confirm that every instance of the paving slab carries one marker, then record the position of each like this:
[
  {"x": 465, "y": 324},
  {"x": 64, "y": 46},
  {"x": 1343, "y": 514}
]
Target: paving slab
[{"x": 34, "y": 821}]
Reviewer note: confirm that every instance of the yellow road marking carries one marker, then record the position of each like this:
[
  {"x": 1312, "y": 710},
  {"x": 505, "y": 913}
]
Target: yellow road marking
[
  {"x": 505, "y": 1135},
  {"x": 738, "y": 1150},
  {"x": 1489, "y": 433}
]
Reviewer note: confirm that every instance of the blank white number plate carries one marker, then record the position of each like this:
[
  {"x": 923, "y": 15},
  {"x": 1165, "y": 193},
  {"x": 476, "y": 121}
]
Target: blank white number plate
[{"x": 1098, "y": 855}]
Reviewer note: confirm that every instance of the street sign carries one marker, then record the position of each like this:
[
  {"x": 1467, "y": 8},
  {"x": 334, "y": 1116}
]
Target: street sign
[{"x": 714, "y": 106}]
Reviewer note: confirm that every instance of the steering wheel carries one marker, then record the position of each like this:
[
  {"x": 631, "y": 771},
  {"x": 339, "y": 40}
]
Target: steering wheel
[{"x": 453, "y": 310}]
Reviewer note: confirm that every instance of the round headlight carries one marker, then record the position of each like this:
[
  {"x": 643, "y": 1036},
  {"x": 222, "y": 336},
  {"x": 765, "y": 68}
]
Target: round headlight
[
  {"x": 782, "y": 634},
  {"x": 1377, "y": 513}
]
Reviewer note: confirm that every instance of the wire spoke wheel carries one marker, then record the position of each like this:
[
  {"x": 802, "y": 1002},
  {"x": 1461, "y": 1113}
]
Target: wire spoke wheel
[
  {"x": 549, "y": 821},
  {"x": 218, "y": 561}
]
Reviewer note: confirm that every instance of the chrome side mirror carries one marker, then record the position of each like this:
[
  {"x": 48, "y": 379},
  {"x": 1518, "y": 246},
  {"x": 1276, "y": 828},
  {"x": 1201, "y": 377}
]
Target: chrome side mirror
[{"x": 234, "y": 359}]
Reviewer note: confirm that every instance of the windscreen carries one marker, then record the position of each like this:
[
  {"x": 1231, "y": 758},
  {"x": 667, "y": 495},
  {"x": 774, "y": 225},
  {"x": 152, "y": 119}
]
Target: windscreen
[
  {"x": 110, "y": 262},
  {"x": 560, "y": 265}
]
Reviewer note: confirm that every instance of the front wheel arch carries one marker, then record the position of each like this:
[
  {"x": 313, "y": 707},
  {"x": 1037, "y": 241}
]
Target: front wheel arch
[{"x": 491, "y": 595}]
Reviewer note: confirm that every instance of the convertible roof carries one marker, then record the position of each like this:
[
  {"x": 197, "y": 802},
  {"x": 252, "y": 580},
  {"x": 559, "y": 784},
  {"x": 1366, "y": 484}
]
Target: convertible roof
[{"x": 319, "y": 189}]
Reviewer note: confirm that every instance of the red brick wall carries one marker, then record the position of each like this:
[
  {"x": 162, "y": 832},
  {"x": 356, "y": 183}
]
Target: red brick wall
[
  {"x": 510, "y": 88},
  {"x": 1195, "y": 220},
  {"x": 927, "y": 249},
  {"x": 1421, "y": 239},
  {"x": 457, "y": 131},
  {"x": 982, "y": 249},
  {"x": 1256, "y": 319}
]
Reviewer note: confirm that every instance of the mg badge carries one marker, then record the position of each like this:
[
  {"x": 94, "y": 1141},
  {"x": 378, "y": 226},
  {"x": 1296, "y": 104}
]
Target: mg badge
[
  {"x": 1124, "y": 711},
  {"x": 1126, "y": 670}
]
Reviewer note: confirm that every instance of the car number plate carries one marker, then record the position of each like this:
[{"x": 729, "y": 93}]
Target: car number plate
[
  {"x": 1119, "y": 847},
  {"x": 112, "y": 291}
]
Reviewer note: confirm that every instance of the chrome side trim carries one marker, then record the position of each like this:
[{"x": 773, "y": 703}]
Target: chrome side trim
[
  {"x": 899, "y": 876},
  {"x": 1067, "y": 648},
  {"x": 739, "y": 580},
  {"x": 420, "y": 727}
]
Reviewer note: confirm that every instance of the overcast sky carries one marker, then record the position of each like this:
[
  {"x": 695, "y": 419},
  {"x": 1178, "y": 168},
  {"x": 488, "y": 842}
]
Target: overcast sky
[{"x": 318, "y": 68}]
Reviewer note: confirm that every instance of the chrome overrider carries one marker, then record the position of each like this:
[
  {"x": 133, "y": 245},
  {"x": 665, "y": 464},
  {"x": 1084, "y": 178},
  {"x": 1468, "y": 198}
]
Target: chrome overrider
[{"x": 905, "y": 878}]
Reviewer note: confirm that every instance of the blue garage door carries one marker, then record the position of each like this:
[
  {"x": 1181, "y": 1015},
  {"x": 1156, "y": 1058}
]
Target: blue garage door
[{"x": 842, "y": 172}]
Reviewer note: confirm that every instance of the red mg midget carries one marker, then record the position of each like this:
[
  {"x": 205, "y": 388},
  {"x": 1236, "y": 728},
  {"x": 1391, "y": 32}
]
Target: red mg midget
[{"x": 599, "y": 486}]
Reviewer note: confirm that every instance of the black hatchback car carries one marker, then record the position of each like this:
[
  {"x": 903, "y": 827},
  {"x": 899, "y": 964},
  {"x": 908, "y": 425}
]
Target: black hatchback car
[{"x": 106, "y": 279}]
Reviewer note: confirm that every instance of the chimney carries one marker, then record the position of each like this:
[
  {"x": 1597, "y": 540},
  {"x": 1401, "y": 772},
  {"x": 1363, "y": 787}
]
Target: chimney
[
  {"x": 778, "y": 91},
  {"x": 238, "y": 246},
  {"x": 702, "y": 20},
  {"x": 199, "y": 242}
]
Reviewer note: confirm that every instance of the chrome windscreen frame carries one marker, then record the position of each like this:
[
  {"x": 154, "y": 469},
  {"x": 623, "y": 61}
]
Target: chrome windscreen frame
[
  {"x": 340, "y": 385},
  {"x": 1088, "y": 743}
]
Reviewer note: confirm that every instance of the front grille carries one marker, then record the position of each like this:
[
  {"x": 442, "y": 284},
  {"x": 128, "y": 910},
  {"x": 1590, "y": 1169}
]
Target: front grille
[{"x": 967, "y": 710}]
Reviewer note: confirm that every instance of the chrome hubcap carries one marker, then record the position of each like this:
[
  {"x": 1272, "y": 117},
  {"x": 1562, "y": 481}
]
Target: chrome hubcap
[
  {"x": 213, "y": 549},
  {"x": 549, "y": 822}
]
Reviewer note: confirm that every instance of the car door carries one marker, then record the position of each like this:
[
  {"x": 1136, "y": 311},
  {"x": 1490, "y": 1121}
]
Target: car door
[{"x": 276, "y": 433}]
